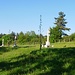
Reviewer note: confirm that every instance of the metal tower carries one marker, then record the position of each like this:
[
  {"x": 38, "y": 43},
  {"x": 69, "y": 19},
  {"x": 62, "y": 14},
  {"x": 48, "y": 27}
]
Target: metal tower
[{"x": 40, "y": 31}]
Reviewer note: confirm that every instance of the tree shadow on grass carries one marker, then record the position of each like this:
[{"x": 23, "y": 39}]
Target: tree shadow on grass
[
  {"x": 3, "y": 49},
  {"x": 63, "y": 63},
  {"x": 55, "y": 61},
  {"x": 7, "y": 49}
]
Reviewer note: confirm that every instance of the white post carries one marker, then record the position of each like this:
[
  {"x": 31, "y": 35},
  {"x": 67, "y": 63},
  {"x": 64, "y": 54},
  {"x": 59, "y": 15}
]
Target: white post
[
  {"x": 47, "y": 42},
  {"x": 2, "y": 42},
  {"x": 48, "y": 34}
]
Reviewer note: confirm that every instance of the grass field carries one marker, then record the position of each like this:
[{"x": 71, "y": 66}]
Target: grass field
[
  {"x": 29, "y": 60},
  {"x": 63, "y": 44}
]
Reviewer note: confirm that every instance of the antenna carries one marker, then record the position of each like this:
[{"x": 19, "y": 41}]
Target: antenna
[{"x": 40, "y": 30}]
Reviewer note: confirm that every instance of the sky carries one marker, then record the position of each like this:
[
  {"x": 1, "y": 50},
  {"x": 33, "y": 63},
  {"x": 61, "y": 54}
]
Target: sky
[{"x": 24, "y": 15}]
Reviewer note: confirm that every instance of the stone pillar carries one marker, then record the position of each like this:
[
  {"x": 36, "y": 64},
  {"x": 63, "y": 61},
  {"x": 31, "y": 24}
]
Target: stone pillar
[
  {"x": 47, "y": 42},
  {"x": 2, "y": 42}
]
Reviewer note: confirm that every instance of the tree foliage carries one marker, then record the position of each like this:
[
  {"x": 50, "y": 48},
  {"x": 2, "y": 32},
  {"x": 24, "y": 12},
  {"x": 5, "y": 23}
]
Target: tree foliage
[
  {"x": 28, "y": 37},
  {"x": 72, "y": 37},
  {"x": 57, "y": 31},
  {"x": 55, "y": 34},
  {"x": 60, "y": 21}
]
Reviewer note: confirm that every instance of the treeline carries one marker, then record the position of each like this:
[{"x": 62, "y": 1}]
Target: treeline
[
  {"x": 67, "y": 38},
  {"x": 30, "y": 37}
]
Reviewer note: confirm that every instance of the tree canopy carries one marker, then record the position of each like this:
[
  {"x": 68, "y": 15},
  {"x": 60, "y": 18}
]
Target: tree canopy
[
  {"x": 60, "y": 21},
  {"x": 58, "y": 30}
]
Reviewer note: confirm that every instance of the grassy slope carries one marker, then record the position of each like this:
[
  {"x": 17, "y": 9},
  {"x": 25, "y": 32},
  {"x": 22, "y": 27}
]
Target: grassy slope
[{"x": 29, "y": 61}]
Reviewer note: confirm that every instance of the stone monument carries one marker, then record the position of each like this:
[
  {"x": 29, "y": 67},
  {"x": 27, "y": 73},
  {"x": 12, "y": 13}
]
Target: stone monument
[
  {"x": 2, "y": 42},
  {"x": 15, "y": 41},
  {"x": 47, "y": 42}
]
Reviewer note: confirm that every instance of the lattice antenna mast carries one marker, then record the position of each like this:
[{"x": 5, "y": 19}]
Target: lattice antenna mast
[{"x": 40, "y": 30}]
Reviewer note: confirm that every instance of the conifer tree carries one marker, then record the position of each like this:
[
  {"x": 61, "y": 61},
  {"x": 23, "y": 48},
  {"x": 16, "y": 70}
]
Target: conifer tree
[
  {"x": 60, "y": 22},
  {"x": 57, "y": 31}
]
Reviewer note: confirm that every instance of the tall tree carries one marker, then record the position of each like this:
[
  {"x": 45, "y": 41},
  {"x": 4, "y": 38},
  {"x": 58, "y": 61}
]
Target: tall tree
[
  {"x": 57, "y": 31},
  {"x": 60, "y": 22}
]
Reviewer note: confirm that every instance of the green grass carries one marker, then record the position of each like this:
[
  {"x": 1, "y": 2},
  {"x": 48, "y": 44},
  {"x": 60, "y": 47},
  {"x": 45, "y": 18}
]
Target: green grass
[
  {"x": 63, "y": 44},
  {"x": 29, "y": 60}
]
